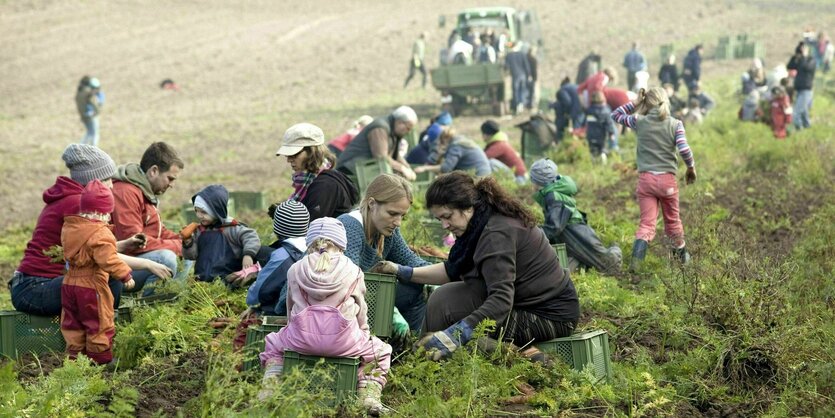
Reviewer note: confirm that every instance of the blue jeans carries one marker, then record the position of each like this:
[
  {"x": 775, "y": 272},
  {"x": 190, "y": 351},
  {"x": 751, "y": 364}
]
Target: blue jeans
[
  {"x": 42, "y": 296},
  {"x": 411, "y": 304},
  {"x": 92, "y": 135},
  {"x": 144, "y": 278},
  {"x": 802, "y": 106},
  {"x": 520, "y": 94}
]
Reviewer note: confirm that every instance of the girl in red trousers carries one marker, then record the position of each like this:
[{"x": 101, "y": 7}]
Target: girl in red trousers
[{"x": 781, "y": 112}]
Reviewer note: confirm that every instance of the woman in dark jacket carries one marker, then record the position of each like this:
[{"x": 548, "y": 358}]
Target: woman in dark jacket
[
  {"x": 668, "y": 74},
  {"x": 325, "y": 192},
  {"x": 501, "y": 268}
]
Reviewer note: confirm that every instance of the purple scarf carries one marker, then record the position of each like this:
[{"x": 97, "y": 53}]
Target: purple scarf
[{"x": 302, "y": 181}]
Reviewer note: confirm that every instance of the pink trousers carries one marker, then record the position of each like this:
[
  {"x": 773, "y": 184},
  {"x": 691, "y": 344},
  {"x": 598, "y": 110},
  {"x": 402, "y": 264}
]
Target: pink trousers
[
  {"x": 323, "y": 331},
  {"x": 654, "y": 191}
]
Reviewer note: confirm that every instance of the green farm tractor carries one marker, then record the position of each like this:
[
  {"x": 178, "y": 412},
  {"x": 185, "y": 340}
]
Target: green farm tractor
[{"x": 483, "y": 84}]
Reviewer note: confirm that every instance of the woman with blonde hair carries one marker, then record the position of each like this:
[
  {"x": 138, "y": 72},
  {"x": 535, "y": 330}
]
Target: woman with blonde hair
[
  {"x": 374, "y": 235},
  {"x": 659, "y": 137}
]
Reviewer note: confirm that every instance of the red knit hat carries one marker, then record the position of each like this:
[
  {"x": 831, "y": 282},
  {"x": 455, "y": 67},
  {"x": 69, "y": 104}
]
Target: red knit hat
[{"x": 96, "y": 198}]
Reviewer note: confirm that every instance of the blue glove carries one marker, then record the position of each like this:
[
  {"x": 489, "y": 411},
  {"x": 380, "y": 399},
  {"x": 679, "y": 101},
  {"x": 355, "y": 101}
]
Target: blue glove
[{"x": 441, "y": 344}]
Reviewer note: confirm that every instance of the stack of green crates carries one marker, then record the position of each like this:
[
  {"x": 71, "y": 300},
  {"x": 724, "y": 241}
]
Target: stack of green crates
[
  {"x": 23, "y": 333},
  {"x": 343, "y": 369},
  {"x": 583, "y": 350},
  {"x": 255, "y": 339},
  {"x": 726, "y": 49},
  {"x": 562, "y": 254},
  {"x": 379, "y": 296}
]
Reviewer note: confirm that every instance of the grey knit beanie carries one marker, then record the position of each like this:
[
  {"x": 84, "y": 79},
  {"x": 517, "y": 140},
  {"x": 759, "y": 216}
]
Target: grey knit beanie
[
  {"x": 543, "y": 172},
  {"x": 291, "y": 219},
  {"x": 87, "y": 163},
  {"x": 328, "y": 228}
]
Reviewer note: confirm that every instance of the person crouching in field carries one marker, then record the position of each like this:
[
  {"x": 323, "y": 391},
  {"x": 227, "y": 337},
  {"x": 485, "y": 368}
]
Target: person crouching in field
[
  {"x": 328, "y": 315},
  {"x": 564, "y": 223},
  {"x": 599, "y": 127},
  {"x": 659, "y": 137},
  {"x": 222, "y": 246},
  {"x": 90, "y": 249}
]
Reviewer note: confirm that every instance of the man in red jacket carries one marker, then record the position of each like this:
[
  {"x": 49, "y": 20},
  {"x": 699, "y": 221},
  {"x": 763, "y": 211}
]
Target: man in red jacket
[{"x": 136, "y": 191}]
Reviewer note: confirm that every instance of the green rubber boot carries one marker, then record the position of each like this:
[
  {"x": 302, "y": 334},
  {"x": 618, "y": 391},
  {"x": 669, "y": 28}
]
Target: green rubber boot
[{"x": 639, "y": 252}]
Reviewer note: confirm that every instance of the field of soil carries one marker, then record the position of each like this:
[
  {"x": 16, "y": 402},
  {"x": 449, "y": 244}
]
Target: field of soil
[{"x": 249, "y": 70}]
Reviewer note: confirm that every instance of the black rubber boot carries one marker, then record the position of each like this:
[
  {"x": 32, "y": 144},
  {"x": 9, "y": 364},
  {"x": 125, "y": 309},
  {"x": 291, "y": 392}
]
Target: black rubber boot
[{"x": 639, "y": 252}]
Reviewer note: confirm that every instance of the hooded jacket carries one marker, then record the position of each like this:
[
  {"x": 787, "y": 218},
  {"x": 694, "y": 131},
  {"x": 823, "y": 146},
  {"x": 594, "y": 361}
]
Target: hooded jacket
[
  {"x": 499, "y": 148},
  {"x": 62, "y": 199},
  {"x": 90, "y": 248},
  {"x": 328, "y": 287},
  {"x": 331, "y": 194},
  {"x": 558, "y": 205},
  {"x": 136, "y": 211},
  {"x": 240, "y": 238}
]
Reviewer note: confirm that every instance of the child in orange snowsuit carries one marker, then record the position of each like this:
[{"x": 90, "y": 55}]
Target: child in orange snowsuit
[
  {"x": 781, "y": 112},
  {"x": 86, "y": 301}
]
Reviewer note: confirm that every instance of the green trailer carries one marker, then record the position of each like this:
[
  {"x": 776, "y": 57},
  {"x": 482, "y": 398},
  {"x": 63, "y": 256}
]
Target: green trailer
[{"x": 483, "y": 84}]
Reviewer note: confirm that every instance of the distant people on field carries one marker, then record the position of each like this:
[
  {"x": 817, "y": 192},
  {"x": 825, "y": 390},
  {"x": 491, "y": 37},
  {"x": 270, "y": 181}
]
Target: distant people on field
[
  {"x": 87, "y": 316},
  {"x": 804, "y": 63},
  {"x": 136, "y": 191},
  {"x": 692, "y": 72},
  {"x": 338, "y": 144},
  {"x": 600, "y": 128},
  {"x": 426, "y": 151},
  {"x": 221, "y": 246},
  {"x": 88, "y": 101},
  {"x": 781, "y": 112},
  {"x": 754, "y": 78},
  {"x": 499, "y": 151},
  {"x": 659, "y": 137},
  {"x": 826, "y": 50},
  {"x": 519, "y": 66},
  {"x": 706, "y": 103},
  {"x": 567, "y": 107},
  {"x": 633, "y": 61},
  {"x": 381, "y": 139},
  {"x": 533, "y": 76},
  {"x": 750, "y": 110},
  {"x": 486, "y": 53},
  {"x": 694, "y": 114},
  {"x": 677, "y": 104},
  {"x": 460, "y": 53},
  {"x": 589, "y": 66},
  {"x": 566, "y": 224},
  {"x": 458, "y": 153},
  {"x": 418, "y": 61},
  {"x": 169, "y": 84},
  {"x": 668, "y": 74},
  {"x": 323, "y": 190},
  {"x": 595, "y": 83}
]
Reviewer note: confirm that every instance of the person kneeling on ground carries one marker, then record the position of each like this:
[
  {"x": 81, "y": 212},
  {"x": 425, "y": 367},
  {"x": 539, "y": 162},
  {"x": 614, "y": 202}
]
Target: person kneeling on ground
[
  {"x": 328, "y": 315},
  {"x": 501, "y": 268},
  {"x": 564, "y": 223},
  {"x": 220, "y": 244}
]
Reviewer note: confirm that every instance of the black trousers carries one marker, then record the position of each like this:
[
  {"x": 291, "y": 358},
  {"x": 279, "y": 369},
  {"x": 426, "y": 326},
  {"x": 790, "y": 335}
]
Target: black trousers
[{"x": 455, "y": 301}]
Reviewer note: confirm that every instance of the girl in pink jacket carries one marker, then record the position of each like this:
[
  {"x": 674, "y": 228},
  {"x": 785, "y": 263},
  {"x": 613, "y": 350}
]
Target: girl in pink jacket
[{"x": 328, "y": 314}]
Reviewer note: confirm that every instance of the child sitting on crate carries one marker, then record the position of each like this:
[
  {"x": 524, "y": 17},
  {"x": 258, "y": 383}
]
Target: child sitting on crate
[
  {"x": 564, "y": 223},
  {"x": 221, "y": 245},
  {"x": 86, "y": 301},
  {"x": 328, "y": 315}
]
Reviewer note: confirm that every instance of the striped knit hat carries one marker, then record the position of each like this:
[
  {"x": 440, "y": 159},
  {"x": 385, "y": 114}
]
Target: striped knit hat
[
  {"x": 291, "y": 219},
  {"x": 328, "y": 228}
]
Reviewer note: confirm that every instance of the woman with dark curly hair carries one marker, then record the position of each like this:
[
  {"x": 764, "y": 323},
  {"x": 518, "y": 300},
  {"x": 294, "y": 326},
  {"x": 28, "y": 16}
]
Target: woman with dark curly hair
[{"x": 501, "y": 268}]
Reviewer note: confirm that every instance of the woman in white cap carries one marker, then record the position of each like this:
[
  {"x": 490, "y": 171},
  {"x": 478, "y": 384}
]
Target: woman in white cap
[{"x": 325, "y": 192}]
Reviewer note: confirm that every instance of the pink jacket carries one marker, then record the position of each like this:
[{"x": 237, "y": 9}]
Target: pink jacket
[{"x": 329, "y": 287}]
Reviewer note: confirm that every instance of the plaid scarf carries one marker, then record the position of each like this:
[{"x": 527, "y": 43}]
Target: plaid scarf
[{"x": 303, "y": 179}]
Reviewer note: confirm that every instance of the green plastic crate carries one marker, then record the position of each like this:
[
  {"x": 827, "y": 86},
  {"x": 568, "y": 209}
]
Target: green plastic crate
[
  {"x": 366, "y": 171},
  {"x": 253, "y": 201},
  {"x": 256, "y": 339},
  {"x": 379, "y": 296},
  {"x": 562, "y": 254},
  {"x": 343, "y": 369},
  {"x": 124, "y": 315},
  {"x": 583, "y": 350},
  {"x": 23, "y": 333},
  {"x": 531, "y": 148}
]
